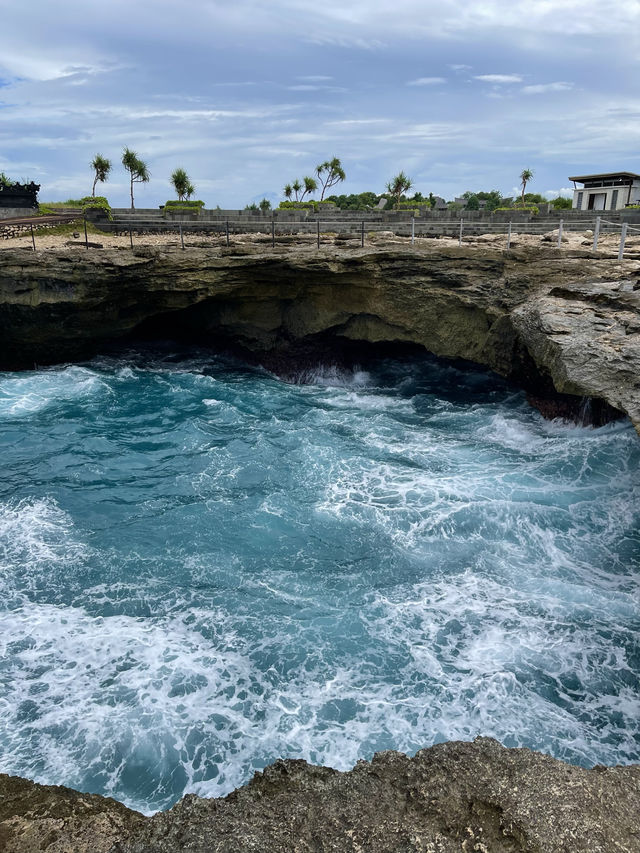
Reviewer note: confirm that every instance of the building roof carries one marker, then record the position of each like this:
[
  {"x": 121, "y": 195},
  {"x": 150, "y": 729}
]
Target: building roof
[{"x": 583, "y": 178}]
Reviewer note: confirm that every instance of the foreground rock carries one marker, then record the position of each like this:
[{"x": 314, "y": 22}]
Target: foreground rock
[
  {"x": 451, "y": 798},
  {"x": 553, "y": 320}
]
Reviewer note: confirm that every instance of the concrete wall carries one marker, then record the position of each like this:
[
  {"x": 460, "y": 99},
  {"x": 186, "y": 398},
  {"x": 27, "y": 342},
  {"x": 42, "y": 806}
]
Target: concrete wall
[{"x": 14, "y": 212}]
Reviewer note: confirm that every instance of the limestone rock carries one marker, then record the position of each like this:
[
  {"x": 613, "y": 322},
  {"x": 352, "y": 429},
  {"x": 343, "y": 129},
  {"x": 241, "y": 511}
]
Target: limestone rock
[
  {"x": 531, "y": 315},
  {"x": 552, "y": 237},
  {"x": 452, "y": 798}
]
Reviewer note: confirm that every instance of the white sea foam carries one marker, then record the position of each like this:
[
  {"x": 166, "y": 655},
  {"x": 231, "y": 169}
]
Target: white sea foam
[
  {"x": 36, "y": 537},
  {"x": 25, "y": 394}
]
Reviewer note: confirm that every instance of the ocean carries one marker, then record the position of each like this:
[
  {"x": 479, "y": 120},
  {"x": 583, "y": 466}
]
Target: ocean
[{"x": 204, "y": 568}]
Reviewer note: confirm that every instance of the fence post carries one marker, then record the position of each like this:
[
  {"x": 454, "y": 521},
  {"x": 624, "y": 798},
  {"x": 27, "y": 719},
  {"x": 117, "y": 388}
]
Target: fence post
[
  {"x": 509, "y": 236},
  {"x": 227, "y": 232},
  {"x": 413, "y": 230},
  {"x": 273, "y": 234},
  {"x": 33, "y": 239},
  {"x": 623, "y": 237},
  {"x": 181, "y": 237},
  {"x": 86, "y": 238},
  {"x": 460, "y": 237},
  {"x": 318, "y": 233},
  {"x": 131, "y": 237},
  {"x": 560, "y": 224},
  {"x": 596, "y": 234},
  {"x": 362, "y": 236}
]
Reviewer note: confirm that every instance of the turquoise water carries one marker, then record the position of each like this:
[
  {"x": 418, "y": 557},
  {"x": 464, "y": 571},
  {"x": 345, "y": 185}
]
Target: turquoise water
[{"x": 203, "y": 568}]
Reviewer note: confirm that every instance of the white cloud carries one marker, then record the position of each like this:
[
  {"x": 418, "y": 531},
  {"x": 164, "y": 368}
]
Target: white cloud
[
  {"x": 310, "y": 87},
  {"x": 426, "y": 81},
  {"x": 563, "y": 192},
  {"x": 499, "y": 79},
  {"x": 542, "y": 88}
]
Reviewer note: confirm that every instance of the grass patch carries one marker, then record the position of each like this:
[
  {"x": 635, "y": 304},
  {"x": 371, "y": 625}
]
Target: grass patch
[{"x": 66, "y": 230}]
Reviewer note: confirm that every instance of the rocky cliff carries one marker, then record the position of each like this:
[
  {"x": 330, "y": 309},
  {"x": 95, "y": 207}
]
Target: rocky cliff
[
  {"x": 452, "y": 798},
  {"x": 550, "y": 319}
]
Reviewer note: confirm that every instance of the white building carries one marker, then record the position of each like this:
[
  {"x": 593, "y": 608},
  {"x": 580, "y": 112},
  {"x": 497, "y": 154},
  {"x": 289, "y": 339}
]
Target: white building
[{"x": 610, "y": 191}]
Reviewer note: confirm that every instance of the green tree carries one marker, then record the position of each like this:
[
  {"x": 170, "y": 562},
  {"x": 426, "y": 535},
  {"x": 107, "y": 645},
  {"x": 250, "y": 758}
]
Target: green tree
[
  {"x": 101, "y": 167},
  {"x": 5, "y": 180},
  {"x": 359, "y": 201},
  {"x": 329, "y": 174},
  {"x": 137, "y": 168},
  {"x": 297, "y": 187},
  {"x": 265, "y": 205},
  {"x": 562, "y": 203},
  {"x": 182, "y": 184},
  {"x": 399, "y": 185},
  {"x": 473, "y": 202},
  {"x": 288, "y": 191},
  {"x": 525, "y": 176}
]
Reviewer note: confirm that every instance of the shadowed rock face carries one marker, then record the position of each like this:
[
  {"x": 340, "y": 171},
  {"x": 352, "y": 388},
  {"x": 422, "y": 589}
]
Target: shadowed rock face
[
  {"x": 451, "y": 798},
  {"x": 548, "y": 319}
]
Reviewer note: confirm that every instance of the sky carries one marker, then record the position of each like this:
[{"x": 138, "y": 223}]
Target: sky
[{"x": 247, "y": 95}]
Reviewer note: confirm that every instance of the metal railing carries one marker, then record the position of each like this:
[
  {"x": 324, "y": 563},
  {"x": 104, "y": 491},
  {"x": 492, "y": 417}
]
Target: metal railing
[{"x": 352, "y": 229}]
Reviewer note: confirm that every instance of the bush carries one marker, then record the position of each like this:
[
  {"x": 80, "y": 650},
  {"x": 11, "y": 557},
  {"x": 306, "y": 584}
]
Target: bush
[
  {"x": 529, "y": 209},
  {"x": 98, "y": 202},
  {"x": 191, "y": 204},
  {"x": 298, "y": 205}
]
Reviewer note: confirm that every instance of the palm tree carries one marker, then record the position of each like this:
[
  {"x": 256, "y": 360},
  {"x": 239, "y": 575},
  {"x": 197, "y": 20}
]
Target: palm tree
[
  {"x": 296, "y": 186},
  {"x": 329, "y": 174},
  {"x": 310, "y": 186},
  {"x": 101, "y": 166},
  {"x": 399, "y": 185},
  {"x": 525, "y": 177},
  {"x": 288, "y": 191},
  {"x": 182, "y": 184},
  {"x": 137, "y": 168}
]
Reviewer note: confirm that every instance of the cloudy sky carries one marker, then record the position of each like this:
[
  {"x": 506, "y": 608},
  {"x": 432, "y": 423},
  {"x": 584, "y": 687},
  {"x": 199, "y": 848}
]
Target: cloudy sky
[{"x": 248, "y": 94}]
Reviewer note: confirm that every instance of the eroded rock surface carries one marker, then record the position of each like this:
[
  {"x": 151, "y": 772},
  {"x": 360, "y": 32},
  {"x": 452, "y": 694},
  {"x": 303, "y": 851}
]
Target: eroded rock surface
[
  {"x": 452, "y": 798},
  {"x": 566, "y": 318}
]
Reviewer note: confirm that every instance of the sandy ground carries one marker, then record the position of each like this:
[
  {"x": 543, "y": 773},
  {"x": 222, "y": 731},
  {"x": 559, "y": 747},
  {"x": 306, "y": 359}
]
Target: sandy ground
[{"x": 571, "y": 240}]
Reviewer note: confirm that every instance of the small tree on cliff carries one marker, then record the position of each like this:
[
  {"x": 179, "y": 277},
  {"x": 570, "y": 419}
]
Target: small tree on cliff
[
  {"x": 101, "y": 166},
  {"x": 398, "y": 186},
  {"x": 137, "y": 168},
  {"x": 329, "y": 174},
  {"x": 182, "y": 184}
]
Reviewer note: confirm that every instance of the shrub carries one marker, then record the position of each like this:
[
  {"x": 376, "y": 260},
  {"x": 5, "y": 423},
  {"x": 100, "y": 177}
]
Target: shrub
[
  {"x": 184, "y": 205},
  {"x": 298, "y": 205},
  {"x": 527, "y": 209},
  {"x": 98, "y": 202}
]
